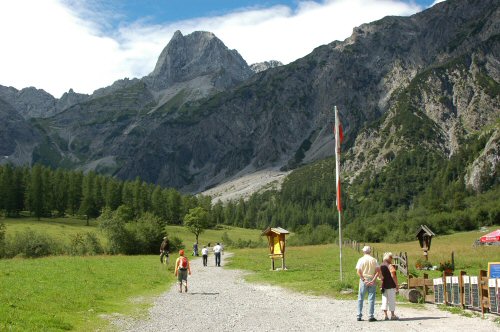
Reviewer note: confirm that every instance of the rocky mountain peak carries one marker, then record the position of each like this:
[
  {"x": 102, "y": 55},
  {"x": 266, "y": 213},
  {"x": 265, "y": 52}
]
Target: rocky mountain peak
[{"x": 195, "y": 55}]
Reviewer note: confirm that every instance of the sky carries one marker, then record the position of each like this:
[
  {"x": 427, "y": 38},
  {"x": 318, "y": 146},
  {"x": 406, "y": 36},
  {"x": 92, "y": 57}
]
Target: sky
[{"x": 57, "y": 45}]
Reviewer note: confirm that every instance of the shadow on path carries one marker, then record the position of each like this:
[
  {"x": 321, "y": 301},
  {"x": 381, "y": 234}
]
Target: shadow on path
[
  {"x": 204, "y": 293},
  {"x": 419, "y": 318}
]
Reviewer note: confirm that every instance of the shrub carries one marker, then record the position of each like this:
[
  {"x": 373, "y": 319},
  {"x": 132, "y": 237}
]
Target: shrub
[
  {"x": 31, "y": 244},
  {"x": 147, "y": 233},
  {"x": 85, "y": 244}
]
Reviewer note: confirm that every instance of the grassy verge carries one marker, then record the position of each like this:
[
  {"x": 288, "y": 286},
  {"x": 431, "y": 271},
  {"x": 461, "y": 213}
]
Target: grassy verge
[
  {"x": 311, "y": 269},
  {"x": 71, "y": 293}
]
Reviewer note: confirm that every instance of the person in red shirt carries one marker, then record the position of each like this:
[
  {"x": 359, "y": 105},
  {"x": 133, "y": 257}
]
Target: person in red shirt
[{"x": 182, "y": 268}]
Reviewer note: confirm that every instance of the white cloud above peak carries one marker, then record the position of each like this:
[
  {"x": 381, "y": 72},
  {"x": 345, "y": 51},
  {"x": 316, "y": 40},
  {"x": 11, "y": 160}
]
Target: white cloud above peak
[{"x": 50, "y": 45}]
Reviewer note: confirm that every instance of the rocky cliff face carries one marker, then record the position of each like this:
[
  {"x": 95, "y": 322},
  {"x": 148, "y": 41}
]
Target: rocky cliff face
[
  {"x": 201, "y": 116},
  {"x": 18, "y": 138}
]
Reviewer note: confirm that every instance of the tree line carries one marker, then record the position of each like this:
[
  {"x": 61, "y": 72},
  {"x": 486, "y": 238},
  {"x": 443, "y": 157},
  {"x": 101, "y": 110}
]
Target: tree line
[{"x": 44, "y": 192}]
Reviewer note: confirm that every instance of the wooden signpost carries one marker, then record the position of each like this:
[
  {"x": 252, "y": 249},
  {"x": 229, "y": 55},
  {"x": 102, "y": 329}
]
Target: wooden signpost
[{"x": 277, "y": 244}]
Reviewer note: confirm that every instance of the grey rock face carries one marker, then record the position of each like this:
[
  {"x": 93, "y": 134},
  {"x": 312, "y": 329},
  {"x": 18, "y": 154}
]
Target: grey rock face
[
  {"x": 261, "y": 66},
  {"x": 17, "y": 137}
]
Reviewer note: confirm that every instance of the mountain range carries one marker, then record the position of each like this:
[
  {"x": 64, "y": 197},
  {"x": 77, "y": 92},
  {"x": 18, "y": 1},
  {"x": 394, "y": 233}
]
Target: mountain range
[{"x": 204, "y": 115}]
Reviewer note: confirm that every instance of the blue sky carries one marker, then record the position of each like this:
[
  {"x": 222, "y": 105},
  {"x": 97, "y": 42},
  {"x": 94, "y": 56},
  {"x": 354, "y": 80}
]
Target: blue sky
[
  {"x": 166, "y": 11},
  {"x": 56, "y": 45}
]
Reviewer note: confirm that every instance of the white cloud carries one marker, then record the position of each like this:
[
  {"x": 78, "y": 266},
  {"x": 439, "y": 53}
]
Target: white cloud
[
  {"x": 48, "y": 45},
  {"x": 436, "y": 1}
]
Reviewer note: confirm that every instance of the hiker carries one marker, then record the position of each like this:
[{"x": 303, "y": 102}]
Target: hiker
[
  {"x": 164, "y": 250},
  {"x": 195, "y": 249},
  {"x": 204, "y": 254},
  {"x": 389, "y": 286},
  {"x": 217, "y": 252},
  {"x": 368, "y": 270},
  {"x": 182, "y": 268}
]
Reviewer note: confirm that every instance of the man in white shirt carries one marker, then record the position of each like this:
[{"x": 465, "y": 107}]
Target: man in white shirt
[
  {"x": 217, "y": 252},
  {"x": 368, "y": 270},
  {"x": 204, "y": 255}
]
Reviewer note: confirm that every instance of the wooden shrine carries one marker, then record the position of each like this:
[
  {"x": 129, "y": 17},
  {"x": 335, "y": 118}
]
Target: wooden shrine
[
  {"x": 277, "y": 244},
  {"x": 424, "y": 236}
]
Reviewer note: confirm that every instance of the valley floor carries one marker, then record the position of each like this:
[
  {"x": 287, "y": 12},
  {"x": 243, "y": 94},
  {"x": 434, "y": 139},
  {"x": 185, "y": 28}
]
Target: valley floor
[{"x": 220, "y": 300}]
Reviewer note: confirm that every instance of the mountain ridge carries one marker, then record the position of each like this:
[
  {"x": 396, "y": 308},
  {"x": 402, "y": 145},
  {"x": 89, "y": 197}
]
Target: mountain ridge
[{"x": 280, "y": 117}]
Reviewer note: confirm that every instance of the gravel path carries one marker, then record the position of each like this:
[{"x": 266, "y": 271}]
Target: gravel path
[{"x": 220, "y": 300}]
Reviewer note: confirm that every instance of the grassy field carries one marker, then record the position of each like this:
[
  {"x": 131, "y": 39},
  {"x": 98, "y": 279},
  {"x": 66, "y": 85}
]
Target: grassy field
[
  {"x": 72, "y": 293},
  {"x": 315, "y": 269},
  {"x": 63, "y": 228}
]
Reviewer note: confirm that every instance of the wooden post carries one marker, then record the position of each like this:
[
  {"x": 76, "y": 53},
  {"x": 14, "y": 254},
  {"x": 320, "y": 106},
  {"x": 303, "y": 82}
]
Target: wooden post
[
  {"x": 453, "y": 260},
  {"x": 483, "y": 290},
  {"x": 426, "y": 276}
]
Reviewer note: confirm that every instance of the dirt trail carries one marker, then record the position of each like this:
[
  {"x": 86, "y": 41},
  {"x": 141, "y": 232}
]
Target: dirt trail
[{"x": 220, "y": 300}]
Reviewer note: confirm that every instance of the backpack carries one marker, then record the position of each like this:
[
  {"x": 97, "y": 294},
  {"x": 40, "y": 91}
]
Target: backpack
[{"x": 183, "y": 262}]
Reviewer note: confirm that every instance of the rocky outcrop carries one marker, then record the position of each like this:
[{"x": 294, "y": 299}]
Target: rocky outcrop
[
  {"x": 265, "y": 65},
  {"x": 485, "y": 170}
]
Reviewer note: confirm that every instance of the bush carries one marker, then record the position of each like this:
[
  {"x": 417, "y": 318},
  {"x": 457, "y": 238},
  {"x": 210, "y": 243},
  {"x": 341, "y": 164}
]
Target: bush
[
  {"x": 85, "y": 244},
  {"x": 135, "y": 237},
  {"x": 31, "y": 244}
]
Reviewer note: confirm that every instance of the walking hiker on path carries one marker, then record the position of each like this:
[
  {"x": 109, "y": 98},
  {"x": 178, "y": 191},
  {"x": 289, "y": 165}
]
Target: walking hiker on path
[
  {"x": 182, "y": 268},
  {"x": 368, "y": 270},
  {"x": 217, "y": 252},
  {"x": 164, "y": 250},
  {"x": 195, "y": 249},
  {"x": 389, "y": 286},
  {"x": 204, "y": 254}
]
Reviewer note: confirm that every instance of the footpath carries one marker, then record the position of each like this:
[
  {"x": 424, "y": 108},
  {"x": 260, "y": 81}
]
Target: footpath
[{"x": 220, "y": 300}]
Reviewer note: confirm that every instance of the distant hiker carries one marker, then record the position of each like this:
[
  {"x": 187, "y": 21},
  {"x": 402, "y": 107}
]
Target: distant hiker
[
  {"x": 368, "y": 270},
  {"x": 204, "y": 254},
  {"x": 389, "y": 286},
  {"x": 182, "y": 268},
  {"x": 195, "y": 249},
  {"x": 164, "y": 250},
  {"x": 217, "y": 252}
]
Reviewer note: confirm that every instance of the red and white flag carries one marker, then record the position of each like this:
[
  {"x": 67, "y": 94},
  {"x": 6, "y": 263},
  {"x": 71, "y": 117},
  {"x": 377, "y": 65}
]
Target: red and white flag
[{"x": 339, "y": 137}]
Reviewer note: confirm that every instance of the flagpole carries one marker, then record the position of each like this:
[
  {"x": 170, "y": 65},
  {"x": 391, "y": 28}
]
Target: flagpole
[{"x": 338, "y": 140}]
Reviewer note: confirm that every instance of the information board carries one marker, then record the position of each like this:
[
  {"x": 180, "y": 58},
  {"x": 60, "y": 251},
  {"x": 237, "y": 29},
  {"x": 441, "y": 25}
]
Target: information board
[
  {"x": 455, "y": 286},
  {"x": 466, "y": 283},
  {"x": 475, "y": 294},
  {"x": 494, "y": 270},
  {"x": 435, "y": 283},
  {"x": 492, "y": 289},
  {"x": 448, "y": 290}
]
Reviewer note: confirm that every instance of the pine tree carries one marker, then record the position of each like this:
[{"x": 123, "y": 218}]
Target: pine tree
[{"x": 35, "y": 193}]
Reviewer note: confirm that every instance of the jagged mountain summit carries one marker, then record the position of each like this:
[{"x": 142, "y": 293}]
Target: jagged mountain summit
[{"x": 202, "y": 117}]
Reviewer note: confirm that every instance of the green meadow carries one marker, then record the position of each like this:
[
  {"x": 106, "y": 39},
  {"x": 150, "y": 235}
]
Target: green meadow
[
  {"x": 73, "y": 293},
  {"x": 62, "y": 229}
]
